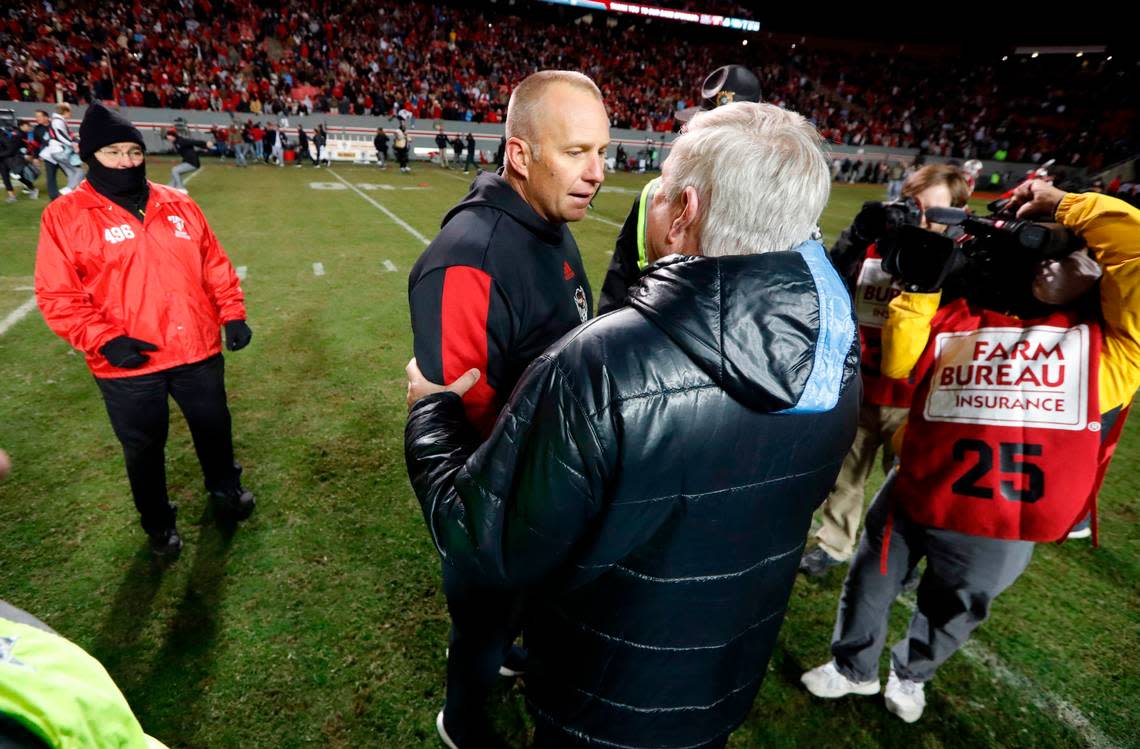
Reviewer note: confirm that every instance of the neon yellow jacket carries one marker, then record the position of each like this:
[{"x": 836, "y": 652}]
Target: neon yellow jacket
[
  {"x": 1111, "y": 228},
  {"x": 62, "y": 694}
]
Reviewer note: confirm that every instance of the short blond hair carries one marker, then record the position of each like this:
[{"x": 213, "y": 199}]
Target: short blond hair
[
  {"x": 939, "y": 174},
  {"x": 524, "y": 108}
]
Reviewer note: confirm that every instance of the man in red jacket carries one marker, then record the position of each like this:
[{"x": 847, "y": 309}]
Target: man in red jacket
[{"x": 129, "y": 272}]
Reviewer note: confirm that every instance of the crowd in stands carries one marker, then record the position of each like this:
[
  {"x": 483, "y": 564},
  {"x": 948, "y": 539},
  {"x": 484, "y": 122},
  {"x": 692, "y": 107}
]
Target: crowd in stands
[{"x": 459, "y": 62}]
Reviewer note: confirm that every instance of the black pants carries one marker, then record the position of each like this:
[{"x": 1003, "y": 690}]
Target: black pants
[
  {"x": 484, "y": 623},
  {"x": 50, "y": 172},
  {"x": 6, "y": 176},
  {"x": 140, "y": 416},
  {"x": 547, "y": 737}
]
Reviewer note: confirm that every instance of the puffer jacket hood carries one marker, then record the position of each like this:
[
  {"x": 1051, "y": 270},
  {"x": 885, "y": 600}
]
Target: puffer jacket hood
[
  {"x": 760, "y": 334},
  {"x": 492, "y": 190}
]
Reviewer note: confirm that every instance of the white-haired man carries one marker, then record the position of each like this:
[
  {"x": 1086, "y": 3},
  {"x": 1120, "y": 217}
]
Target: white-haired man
[{"x": 650, "y": 480}]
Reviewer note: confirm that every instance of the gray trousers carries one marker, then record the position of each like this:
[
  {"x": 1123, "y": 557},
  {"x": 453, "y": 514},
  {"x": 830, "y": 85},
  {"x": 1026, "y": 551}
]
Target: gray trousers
[
  {"x": 177, "y": 172},
  {"x": 964, "y": 574}
]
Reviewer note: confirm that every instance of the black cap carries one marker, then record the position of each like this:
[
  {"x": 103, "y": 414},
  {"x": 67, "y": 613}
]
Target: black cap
[
  {"x": 725, "y": 85},
  {"x": 102, "y": 127}
]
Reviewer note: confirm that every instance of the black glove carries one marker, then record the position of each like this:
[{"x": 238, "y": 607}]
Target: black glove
[
  {"x": 126, "y": 352},
  {"x": 238, "y": 335}
]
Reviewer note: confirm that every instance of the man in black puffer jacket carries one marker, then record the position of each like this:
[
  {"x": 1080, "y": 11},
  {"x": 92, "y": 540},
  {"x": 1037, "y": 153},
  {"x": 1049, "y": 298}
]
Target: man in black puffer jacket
[{"x": 651, "y": 480}]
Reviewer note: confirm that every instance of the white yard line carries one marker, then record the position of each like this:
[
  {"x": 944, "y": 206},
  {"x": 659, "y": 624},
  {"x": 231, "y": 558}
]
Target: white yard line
[
  {"x": 401, "y": 222},
  {"x": 193, "y": 174},
  {"x": 1040, "y": 697},
  {"x": 389, "y": 266},
  {"x": 318, "y": 269},
  {"x": 17, "y": 315},
  {"x": 603, "y": 220},
  {"x": 242, "y": 271},
  {"x": 588, "y": 215}
]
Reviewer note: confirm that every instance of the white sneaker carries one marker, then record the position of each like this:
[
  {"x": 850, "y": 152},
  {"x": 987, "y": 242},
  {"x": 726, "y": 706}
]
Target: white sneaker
[
  {"x": 35, "y": 193},
  {"x": 826, "y": 681},
  {"x": 904, "y": 698}
]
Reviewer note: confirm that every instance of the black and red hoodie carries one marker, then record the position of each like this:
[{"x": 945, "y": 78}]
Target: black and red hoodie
[{"x": 492, "y": 291}]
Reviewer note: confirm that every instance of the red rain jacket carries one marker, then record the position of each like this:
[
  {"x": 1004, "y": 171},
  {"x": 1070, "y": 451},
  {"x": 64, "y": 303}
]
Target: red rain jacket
[{"x": 100, "y": 273}]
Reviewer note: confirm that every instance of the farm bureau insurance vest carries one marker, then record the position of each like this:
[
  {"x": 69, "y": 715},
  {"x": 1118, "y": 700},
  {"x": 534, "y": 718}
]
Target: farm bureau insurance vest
[
  {"x": 874, "y": 290},
  {"x": 1004, "y": 437}
]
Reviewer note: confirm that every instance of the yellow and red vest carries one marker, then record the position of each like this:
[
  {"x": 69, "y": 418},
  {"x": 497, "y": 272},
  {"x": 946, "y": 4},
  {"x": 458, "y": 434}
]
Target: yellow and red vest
[{"x": 1004, "y": 434}]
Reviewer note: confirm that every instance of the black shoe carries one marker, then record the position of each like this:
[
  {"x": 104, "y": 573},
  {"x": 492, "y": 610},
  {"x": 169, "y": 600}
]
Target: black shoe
[
  {"x": 470, "y": 735},
  {"x": 817, "y": 563},
  {"x": 236, "y": 503},
  {"x": 166, "y": 544},
  {"x": 515, "y": 662}
]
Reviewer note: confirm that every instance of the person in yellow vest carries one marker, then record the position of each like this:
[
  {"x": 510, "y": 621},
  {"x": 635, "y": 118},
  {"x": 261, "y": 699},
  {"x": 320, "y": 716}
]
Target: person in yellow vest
[
  {"x": 53, "y": 695},
  {"x": 1009, "y": 435}
]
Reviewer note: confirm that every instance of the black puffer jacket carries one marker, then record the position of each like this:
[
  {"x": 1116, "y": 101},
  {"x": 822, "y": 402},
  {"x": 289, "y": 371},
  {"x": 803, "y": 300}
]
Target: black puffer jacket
[{"x": 650, "y": 485}]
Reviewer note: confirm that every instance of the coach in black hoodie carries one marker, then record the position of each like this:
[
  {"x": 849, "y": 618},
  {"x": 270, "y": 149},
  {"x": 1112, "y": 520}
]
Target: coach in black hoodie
[
  {"x": 651, "y": 480},
  {"x": 502, "y": 281}
]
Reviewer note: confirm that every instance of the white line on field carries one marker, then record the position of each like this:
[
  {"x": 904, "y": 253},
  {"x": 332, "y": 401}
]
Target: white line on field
[
  {"x": 603, "y": 220},
  {"x": 389, "y": 266},
  {"x": 1041, "y": 698},
  {"x": 318, "y": 269},
  {"x": 193, "y": 174},
  {"x": 242, "y": 271},
  {"x": 588, "y": 215},
  {"x": 403, "y": 224},
  {"x": 24, "y": 288},
  {"x": 17, "y": 315}
]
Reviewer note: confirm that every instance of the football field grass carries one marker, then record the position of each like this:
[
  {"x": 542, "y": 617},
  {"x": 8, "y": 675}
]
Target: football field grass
[{"x": 319, "y": 622}]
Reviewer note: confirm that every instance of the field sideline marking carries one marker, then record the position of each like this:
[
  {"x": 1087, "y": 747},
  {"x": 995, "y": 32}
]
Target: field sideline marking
[
  {"x": 588, "y": 215},
  {"x": 318, "y": 269},
  {"x": 241, "y": 271},
  {"x": 403, "y": 224},
  {"x": 17, "y": 315},
  {"x": 193, "y": 174},
  {"x": 603, "y": 220},
  {"x": 1040, "y": 697}
]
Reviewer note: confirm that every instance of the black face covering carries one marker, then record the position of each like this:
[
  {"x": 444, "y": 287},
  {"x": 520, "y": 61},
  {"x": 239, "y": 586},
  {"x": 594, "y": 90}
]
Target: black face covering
[{"x": 127, "y": 187}]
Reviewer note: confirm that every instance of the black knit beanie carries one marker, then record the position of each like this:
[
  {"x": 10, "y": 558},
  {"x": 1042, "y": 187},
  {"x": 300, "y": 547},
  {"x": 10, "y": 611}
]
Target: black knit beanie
[{"x": 102, "y": 127}]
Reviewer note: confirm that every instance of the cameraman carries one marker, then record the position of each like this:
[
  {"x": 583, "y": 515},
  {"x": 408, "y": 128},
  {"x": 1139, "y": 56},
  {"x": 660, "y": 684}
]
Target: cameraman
[
  {"x": 973, "y": 518},
  {"x": 885, "y": 400}
]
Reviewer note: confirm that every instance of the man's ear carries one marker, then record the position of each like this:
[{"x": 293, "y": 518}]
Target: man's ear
[
  {"x": 686, "y": 223},
  {"x": 519, "y": 156}
]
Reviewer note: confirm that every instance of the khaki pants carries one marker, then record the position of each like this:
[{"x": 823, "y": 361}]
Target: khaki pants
[{"x": 843, "y": 508}]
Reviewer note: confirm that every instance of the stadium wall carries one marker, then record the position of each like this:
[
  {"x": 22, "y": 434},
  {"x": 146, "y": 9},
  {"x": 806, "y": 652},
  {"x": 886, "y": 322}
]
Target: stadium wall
[{"x": 154, "y": 122}]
